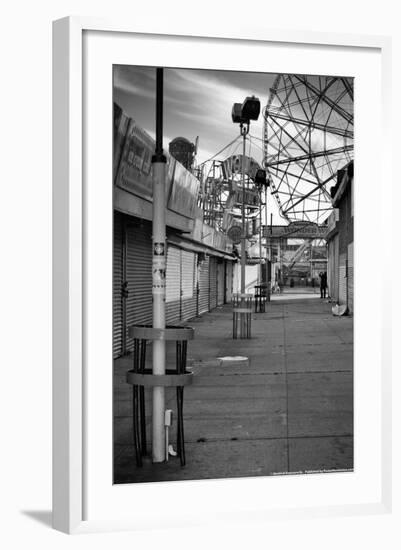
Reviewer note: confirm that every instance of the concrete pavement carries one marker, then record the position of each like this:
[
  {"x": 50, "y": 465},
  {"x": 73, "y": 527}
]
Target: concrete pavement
[{"x": 289, "y": 409}]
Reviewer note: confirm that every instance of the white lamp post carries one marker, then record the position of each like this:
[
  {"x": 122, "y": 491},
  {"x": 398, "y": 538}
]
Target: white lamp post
[{"x": 242, "y": 114}]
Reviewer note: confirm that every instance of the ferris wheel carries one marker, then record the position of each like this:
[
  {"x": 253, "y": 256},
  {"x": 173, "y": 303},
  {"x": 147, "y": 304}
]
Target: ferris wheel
[{"x": 307, "y": 137}]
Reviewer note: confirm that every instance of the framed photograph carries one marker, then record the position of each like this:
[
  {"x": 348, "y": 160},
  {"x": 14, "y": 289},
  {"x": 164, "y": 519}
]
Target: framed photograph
[{"x": 212, "y": 260}]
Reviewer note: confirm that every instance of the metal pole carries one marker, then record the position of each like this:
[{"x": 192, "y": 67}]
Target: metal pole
[
  {"x": 267, "y": 255},
  {"x": 281, "y": 263},
  {"x": 243, "y": 257},
  {"x": 260, "y": 238},
  {"x": 271, "y": 235},
  {"x": 268, "y": 251},
  {"x": 159, "y": 274}
]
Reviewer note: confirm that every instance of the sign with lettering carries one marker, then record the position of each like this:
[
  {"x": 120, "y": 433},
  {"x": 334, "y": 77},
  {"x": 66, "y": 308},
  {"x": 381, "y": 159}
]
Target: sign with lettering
[
  {"x": 184, "y": 191},
  {"x": 133, "y": 150},
  {"x": 295, "y": 230}
]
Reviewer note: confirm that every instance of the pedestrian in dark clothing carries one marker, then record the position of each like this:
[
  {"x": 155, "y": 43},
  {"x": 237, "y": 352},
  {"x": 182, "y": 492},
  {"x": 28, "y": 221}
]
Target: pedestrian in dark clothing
[{"x": 323, "y": 284}]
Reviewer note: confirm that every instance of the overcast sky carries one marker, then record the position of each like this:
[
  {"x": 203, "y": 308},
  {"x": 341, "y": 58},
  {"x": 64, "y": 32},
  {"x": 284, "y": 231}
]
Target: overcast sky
[{"x": 196, "y": 103}]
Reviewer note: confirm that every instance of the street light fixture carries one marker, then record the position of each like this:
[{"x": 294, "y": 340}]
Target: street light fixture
[
  {"x": 246, "y": 111},
  {"x": 242, "y": 114}
]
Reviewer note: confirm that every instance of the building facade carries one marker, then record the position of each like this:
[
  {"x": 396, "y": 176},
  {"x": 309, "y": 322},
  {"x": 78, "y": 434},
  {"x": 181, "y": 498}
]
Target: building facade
[
  {"x": 340, "y": 240},
  {"x": 200, "y": 260}
]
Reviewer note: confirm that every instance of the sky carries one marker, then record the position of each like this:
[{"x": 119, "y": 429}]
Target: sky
[{"x": 196, "y": 103}]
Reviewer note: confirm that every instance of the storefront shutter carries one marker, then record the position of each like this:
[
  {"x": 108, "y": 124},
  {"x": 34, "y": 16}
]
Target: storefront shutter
[
  {"x": 333, "y": 273},
  {"x": 342, "y": 282},
  {"x": 213, "y": 283},
  {"x": 173, "y": 285},
  {"x": 203, "y": 284},
  {"x": 188, "y": 285},
  {"x": 138, "y": 275},
  {"x": 350, "y": 281},
  {"x": 220, "y": 281},
  {"x": 117, "y": 285},
  {"x": 229, "y": 281}
]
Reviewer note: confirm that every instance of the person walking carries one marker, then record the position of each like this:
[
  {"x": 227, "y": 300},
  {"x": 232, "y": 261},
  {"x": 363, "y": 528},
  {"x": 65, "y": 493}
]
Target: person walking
[{"x": 323, "y": 284}]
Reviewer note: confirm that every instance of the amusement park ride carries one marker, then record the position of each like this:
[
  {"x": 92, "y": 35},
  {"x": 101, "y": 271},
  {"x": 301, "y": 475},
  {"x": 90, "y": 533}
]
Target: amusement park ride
[{"x": 307, "y": 138}]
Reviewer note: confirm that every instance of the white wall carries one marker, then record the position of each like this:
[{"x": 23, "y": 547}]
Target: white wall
[
  {"x": 251, "y": 278},
  {"x": 26, "y": 231}
]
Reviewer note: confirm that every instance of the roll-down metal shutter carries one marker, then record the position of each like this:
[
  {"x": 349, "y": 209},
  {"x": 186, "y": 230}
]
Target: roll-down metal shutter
[
  {"x": 203, "y": 284},
  {"x": 333, "y": 274},
  {"x": 117, "y": 284},
  {"x": 188, "y": 285},
  {"x": 330, "y": 268},
  {"x": 173, "y": 285},
  {"x": 138, "y": 275},
  {"x": 350, "y": 269},
  {"x": 229, "y": 281},
  {"x": 342, "y": 283},
  {"x": 213, "y": 283},
  {"x": 220, "y": 281}
]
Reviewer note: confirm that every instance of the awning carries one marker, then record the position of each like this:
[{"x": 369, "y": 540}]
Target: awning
[{"x": 194, "y": 246}]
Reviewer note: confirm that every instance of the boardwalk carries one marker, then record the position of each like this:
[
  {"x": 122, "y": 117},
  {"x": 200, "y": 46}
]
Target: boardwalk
[{"x": 290, "y": 409}]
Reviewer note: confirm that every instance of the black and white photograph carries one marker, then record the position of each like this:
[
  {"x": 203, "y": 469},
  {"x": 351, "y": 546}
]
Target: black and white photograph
[
  {"x": 232, "y": 274},
  {"x": 210, "y": 355}
]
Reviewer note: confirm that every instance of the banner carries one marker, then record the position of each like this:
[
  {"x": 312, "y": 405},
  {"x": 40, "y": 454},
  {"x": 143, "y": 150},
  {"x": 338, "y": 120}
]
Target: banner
[
  {"x": 134, "y": 171},
  {"x": 184, "y": 192},
  {"x": 133, "y": 150}
]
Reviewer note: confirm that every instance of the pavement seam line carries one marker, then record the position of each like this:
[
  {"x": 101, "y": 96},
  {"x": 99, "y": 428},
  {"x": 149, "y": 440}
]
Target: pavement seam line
[{"x": 286, "y": 384}]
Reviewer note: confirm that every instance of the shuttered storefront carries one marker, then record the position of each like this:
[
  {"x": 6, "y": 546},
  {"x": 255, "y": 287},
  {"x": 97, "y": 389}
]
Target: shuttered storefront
[
  {"x": 180, "y": 285},
  {"x": 195, "y": 283},
  {"x": 138, "y": 274},
  {"x": 173, "y": 285},
  {"x": 203, "y": 284},
  {"x": 229, "y": 281},
  {"x": 333, "y": 268},
  {"x": 117, "y": 284},
  {"x": 220, "y": 281},
  {"x": 212, "y": 283},
  {"x": 350, "y": 269},
  {"x": 342, "y": 279},
  {"x": 188, "y": 285}
]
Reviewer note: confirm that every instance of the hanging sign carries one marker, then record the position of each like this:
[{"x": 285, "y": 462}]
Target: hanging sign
[{"x": 235, "y": 233}]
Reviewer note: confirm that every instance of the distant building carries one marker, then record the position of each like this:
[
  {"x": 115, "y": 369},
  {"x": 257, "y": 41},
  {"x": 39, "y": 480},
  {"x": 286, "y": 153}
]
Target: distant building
[
  {"x": 183, "y": 151},
  {"x": 340, "y": 239}
]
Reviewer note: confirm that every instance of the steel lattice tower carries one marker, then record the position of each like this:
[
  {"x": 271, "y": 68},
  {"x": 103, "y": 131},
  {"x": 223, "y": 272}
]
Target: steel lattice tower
[{"x": 308, "y": 136}]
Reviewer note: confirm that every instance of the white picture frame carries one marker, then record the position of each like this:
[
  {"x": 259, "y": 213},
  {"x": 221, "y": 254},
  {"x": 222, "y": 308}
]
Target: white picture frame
[{"x": 72, "y": 216}]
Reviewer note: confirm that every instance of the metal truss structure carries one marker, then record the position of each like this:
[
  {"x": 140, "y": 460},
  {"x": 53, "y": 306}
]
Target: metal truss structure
[
  {"x": 308, "y": 137},
  {"x": 221, "y": 193},
  {"x": 215, "y": 191}
]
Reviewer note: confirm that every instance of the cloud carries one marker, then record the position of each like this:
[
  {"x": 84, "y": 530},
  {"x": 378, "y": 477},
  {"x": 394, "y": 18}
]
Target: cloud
[
  {"x": 196, "y": 103},
  {"x": 206, "y": 95},
  {"x": 134, "y": 80}
]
